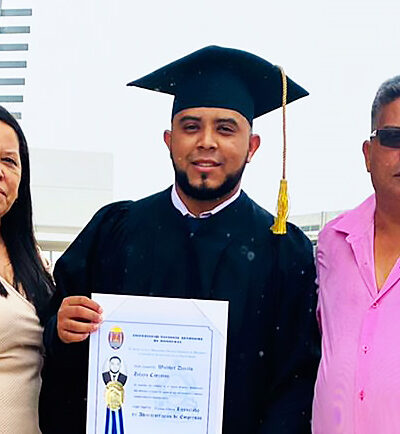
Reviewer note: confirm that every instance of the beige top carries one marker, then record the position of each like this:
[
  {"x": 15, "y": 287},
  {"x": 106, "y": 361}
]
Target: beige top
[{"x": 21, "y": 359}]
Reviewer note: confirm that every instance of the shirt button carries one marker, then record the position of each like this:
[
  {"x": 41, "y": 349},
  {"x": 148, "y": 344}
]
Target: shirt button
[
  {"x": 374, "y": 305},
  {"x": 362, "y": 395},
  {"x": 365, "y": 348}
]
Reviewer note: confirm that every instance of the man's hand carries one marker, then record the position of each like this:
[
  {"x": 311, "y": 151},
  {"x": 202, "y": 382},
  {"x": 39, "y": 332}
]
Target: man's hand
[{"x": 77, "y": 317}]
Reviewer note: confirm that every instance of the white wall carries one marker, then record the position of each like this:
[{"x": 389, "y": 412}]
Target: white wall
[{"x": 68, "y": 187}]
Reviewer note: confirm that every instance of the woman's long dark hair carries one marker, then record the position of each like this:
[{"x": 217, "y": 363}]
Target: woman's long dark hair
[{"x": 17, "y": 231}]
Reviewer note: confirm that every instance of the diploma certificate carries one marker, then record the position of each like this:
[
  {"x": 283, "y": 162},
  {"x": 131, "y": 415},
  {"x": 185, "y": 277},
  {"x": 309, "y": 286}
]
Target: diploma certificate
[{"x": 157, "y": 366}]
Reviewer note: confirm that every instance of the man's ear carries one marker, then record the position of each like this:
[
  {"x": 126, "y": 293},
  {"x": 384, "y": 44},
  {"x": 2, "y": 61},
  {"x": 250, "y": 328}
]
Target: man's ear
[
  {"x": 167, "y": 138},
  {"x": 366, "y": 148},
  {"x": 254, "y": 144}
]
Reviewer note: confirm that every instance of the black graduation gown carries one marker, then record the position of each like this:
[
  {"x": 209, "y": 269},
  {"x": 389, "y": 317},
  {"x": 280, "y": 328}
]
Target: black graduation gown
[{"x": 147, "y": 248}]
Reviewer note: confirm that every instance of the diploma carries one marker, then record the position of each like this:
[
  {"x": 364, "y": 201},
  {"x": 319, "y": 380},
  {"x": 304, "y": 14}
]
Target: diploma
[{"x": 157, "y": 366}]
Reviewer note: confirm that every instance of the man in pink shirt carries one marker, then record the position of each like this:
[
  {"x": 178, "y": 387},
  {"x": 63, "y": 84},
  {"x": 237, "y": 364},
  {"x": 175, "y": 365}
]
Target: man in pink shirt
[{"x": 358, "y": 384}]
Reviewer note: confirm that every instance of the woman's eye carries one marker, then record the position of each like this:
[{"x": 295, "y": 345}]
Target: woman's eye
[{"x": 9, "y": 160}]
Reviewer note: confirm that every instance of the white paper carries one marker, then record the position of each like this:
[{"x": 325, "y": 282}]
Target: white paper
[{"x": 168, "y": 355}]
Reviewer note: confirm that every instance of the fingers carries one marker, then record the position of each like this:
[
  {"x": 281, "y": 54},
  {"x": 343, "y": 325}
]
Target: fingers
[
  {"x": 69, "y": 337},
  {"x": 78, "y": 326},
  {"x": 81, "y": 300},
  {"x": 77, "y": 317}
]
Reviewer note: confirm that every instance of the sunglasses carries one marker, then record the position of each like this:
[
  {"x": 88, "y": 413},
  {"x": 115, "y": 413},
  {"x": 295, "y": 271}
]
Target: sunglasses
[{"x": 389, "y": 137}]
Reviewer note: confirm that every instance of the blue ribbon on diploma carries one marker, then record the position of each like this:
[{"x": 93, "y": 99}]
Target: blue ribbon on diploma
[
  {"x": 114, "y": 398},
  {"x": 114, "y": 422}
]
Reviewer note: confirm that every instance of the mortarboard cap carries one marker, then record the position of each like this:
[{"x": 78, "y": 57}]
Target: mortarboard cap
[{"x": 222, "y": 77}]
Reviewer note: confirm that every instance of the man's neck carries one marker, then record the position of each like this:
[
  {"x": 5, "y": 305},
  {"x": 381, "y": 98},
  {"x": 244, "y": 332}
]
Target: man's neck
[
  {"x": 386, "y": 239},
  {"x": 196, "y": 207},
  {"x": 387, "y": 217}
]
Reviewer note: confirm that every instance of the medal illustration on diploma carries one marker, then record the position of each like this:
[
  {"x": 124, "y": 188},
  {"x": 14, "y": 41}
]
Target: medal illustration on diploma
[{"x": 114, "y": 381}]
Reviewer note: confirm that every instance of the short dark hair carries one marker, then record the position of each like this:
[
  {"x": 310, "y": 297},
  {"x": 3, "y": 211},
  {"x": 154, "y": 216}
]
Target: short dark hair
[
  {"x": 388, "y": 91},
  {"x": 17, "y": 231}
]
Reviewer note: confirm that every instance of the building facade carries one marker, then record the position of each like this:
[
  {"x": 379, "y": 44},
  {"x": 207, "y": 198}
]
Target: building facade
[
  {"x": 14, "y": 45},
  {"x": 311, "y": 224}
]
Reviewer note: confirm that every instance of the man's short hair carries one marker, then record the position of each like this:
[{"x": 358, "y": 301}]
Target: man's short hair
[{"x": 388, "y": 91}]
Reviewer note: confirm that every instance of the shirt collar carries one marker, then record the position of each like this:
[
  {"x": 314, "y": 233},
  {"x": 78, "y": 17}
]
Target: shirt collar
[
  {"x": 181, "y": 207},
  {"x": 357, "y": 221}
]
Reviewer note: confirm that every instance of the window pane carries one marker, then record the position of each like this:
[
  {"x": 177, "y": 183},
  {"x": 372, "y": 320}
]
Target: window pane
[
  {"x": 12, "y": 81},
  {"x": 13, "y": 64},
  {"x": 13, "y": 47},
  {"x": 15, "y": 12},
  {"x": 15, "y": 29}
]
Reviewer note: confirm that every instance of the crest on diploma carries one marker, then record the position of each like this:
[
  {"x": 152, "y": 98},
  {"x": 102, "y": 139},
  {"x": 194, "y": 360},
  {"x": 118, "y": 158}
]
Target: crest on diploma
[
  {"x": 116, "y": 338},
  {"x": 114, "y": 395}
]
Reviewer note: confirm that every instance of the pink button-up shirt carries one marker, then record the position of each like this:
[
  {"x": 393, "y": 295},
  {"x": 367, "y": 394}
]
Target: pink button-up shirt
[{"x": 358, "y": 383}]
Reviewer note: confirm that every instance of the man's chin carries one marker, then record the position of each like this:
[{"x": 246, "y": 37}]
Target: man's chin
[{"x": 205, "y": 193}]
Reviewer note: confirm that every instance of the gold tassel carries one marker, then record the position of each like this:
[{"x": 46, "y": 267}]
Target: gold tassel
[{"x": 279, "y": 226}]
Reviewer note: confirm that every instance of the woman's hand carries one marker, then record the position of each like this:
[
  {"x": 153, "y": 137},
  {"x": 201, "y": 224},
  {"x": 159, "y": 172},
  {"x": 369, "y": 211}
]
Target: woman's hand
[{"x": 77, "y": 317}]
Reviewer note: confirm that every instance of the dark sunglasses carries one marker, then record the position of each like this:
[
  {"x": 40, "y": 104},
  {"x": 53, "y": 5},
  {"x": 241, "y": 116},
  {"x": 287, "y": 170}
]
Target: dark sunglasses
[{"x": 389, "y": 137}]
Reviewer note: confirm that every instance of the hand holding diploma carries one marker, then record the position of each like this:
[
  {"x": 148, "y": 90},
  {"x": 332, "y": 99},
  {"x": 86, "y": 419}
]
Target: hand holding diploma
[{"x": 77, "y": 317}]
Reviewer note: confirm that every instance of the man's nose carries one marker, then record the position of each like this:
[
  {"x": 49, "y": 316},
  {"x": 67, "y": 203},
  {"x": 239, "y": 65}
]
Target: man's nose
[{"x": 208, "y": 139}]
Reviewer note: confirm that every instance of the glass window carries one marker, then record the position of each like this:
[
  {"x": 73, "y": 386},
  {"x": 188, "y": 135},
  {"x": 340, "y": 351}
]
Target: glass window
[
  {"x": 12, "y": 81},
  {"x": 15, "y": 12},
  {"x": 13, "y": 64},
  {"x": 15, "y": 29},
  {"x": 13, "y": 47}
]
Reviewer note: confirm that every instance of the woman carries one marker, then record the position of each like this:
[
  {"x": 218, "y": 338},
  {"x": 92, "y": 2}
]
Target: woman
[{"x": 25, "y": 288}]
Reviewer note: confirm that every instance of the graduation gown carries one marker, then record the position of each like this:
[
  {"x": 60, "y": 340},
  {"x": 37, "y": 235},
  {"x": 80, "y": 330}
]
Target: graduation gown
[{"x": 148, "y": 248}]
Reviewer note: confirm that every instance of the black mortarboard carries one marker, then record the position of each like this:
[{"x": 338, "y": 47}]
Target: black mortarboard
[{"x": 222, "y": 77}]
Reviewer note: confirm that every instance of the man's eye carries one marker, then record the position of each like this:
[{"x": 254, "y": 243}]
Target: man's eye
[
  {"x": 190, "y": 127},
  {"x": 225, "y": 129}
]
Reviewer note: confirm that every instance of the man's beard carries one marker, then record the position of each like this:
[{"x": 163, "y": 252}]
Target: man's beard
[{"x": 203, "y": 192}]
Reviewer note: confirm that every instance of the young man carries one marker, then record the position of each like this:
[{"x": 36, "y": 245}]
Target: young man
[
  {"x": 358, "y": 385},
  {"x": 203, "y": 238}
]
